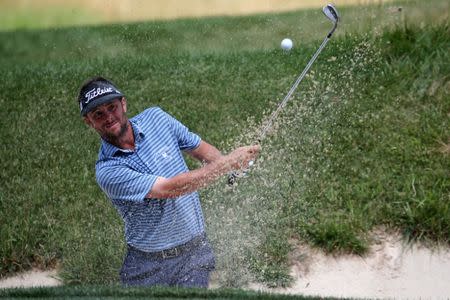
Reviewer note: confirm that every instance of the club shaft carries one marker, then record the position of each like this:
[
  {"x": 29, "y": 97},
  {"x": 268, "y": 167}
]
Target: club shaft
[
  {"x": 233, "y": 175},
  {"x": 291, "y": 91}
]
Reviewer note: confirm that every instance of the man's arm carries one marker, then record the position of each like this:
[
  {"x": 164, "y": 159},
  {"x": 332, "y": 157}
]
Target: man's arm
[
  {"x": 205, "y": 153},
  {"x": 191, "y": 181}
]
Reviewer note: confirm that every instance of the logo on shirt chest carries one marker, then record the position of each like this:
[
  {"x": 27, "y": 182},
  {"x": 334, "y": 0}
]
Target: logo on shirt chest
[{"x": 163, "y": 155}]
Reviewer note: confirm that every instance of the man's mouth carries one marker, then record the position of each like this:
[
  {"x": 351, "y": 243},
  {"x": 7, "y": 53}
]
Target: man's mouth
[{"x": 109, "y": 125}]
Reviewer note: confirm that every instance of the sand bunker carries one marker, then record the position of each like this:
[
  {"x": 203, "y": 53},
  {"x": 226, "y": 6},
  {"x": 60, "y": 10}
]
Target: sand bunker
[
  {"x": 34, "y": 278},
  {"x": 391, "y": 270}
]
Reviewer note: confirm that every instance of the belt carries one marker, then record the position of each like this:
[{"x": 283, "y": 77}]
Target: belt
[{"x": 175, "y": 251}]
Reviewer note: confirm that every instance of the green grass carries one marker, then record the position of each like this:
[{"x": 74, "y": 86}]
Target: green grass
[
  {"x": 118, "y": 292},
  {"x": 361, "y": 144}
]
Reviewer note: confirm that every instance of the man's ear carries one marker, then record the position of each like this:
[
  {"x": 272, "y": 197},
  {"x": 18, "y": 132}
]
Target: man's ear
[
  {"x": 124, "y": 104},
  {"x": 87, "y": 121}
]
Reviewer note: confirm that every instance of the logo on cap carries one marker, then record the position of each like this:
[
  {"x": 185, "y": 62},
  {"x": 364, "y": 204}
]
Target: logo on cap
[{"x": 95, "y": 92}]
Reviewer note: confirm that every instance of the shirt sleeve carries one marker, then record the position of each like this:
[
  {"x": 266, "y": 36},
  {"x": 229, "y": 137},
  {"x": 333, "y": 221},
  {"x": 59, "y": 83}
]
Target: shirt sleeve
[
  {"x": 123, "y": 183},
  {"x": 187, "y": 140}
]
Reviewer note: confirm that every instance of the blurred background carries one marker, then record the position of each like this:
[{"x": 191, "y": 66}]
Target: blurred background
[{"x": 29, "y": 14}]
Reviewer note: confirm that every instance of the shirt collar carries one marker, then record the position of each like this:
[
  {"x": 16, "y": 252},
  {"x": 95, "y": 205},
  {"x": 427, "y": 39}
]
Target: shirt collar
[{"x": 109, "y": 150}]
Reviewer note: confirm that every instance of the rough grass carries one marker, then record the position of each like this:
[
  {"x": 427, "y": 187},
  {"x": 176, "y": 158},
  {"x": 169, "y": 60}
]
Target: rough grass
[
  {"x": 361, "y": 144},
  {"x": 119, "y": 292}
]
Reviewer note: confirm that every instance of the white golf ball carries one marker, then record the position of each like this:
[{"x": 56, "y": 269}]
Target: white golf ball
[{"x": 286, "y": 44}]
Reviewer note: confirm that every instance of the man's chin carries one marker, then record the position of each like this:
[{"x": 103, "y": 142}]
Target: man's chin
[
  {"x": 110, "y": 137},
  {"x": 115, "y": 135}
]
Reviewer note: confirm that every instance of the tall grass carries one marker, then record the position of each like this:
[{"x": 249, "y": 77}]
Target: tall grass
[{"x": 361, "y": 144}]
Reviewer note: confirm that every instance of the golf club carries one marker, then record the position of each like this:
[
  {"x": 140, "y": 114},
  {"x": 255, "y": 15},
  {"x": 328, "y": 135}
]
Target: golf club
[{"x": 332, "y": 14}]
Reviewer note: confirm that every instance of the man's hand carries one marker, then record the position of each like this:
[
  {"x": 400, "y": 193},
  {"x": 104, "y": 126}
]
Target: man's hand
[{"x": 240, "y": 158}]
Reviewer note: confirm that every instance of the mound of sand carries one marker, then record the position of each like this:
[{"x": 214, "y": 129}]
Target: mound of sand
[
  {"x": 392, "y": 269},
  {"x": 34, "y": 278}
]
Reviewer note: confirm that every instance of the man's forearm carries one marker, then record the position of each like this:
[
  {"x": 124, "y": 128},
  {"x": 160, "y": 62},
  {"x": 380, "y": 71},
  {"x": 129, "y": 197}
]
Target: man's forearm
[
  {"x": 205, "y": 153},
  {"x": 191, "y": 181}
]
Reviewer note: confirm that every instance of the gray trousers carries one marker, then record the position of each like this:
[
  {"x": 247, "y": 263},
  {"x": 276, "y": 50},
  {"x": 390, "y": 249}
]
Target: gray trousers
[{"x": 188, "y": 265}]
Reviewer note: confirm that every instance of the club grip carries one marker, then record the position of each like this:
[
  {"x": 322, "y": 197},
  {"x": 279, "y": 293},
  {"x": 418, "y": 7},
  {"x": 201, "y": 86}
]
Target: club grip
[{"x": 233, "y": 176}]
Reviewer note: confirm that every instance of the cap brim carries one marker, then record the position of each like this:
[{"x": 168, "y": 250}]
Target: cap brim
[{"x": 102, "y": 100}]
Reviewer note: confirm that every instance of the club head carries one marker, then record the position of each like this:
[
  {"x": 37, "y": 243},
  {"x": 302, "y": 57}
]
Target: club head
[{"x": 330, "y": 11}]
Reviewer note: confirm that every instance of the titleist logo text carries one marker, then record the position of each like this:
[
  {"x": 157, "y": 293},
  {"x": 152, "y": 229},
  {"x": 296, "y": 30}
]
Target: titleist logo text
[{"x": 96, "y": 92}]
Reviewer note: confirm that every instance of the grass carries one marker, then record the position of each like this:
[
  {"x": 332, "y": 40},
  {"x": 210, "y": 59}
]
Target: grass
[
  {"x": 362, "y": 143},
  {"x": 118, "y": 292}
]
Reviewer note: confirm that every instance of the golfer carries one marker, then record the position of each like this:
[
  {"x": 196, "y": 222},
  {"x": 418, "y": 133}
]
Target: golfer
[{"x": 141, "y": 169}]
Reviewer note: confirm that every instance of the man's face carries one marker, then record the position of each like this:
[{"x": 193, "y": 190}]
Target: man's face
[{"x": 109, "y": 119}]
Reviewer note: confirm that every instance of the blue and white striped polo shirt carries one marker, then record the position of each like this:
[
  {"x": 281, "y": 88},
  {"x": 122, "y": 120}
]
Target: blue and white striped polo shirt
[{"x": 127, "y": 176}]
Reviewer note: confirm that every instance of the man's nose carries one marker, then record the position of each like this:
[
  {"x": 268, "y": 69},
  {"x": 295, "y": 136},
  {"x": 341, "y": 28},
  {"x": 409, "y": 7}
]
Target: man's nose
[{"x": 108, "y": 116}]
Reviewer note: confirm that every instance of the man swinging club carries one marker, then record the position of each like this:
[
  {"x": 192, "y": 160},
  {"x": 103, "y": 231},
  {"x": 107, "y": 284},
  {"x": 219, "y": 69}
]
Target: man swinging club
[{"x": 141, "y": 168}]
